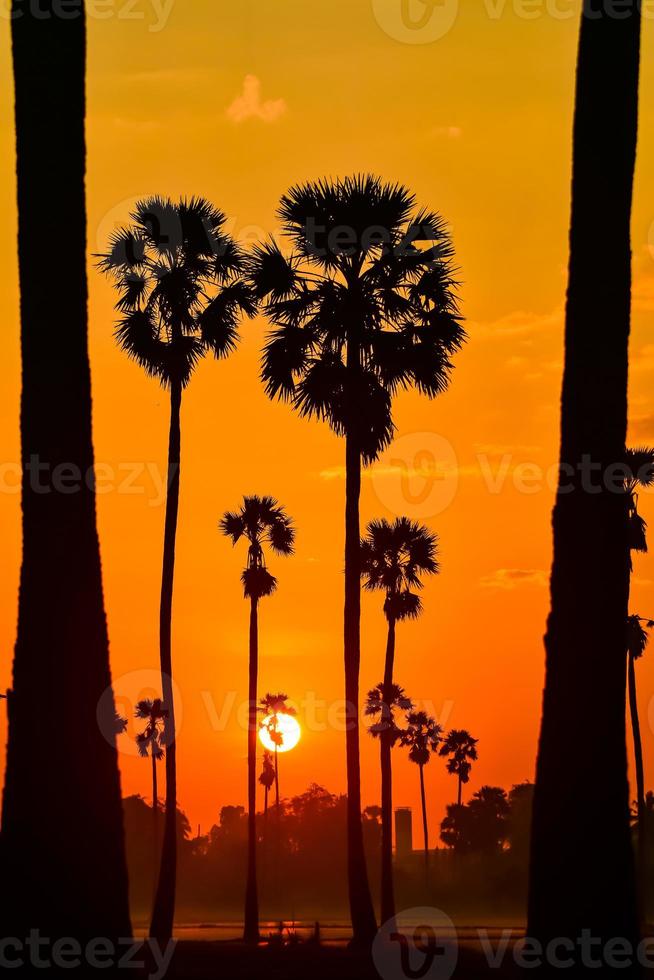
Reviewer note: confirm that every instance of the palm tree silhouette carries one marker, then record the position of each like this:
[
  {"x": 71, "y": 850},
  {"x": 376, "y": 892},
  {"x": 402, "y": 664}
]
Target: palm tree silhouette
[
  {"x": 62, "y": 827},
  {"x": 271, "y": 707},
  {"x": 461, "y": 748},
  {"x": 637, "y": 640},
  {"x": 382, "y": 703},
  {"x": 261, "y": 521},
  {"x": 181, "y": 298},
  {"x": 640, "y": 473},
  {"x": 393, "y": 556},
  {"x": 360, "y": 310},
  {"x": 581, "y": 811},
  {"x": 151, "y": 742},
  {"x": 267, "y": 779},
  {"x": 422, "y": 736}
]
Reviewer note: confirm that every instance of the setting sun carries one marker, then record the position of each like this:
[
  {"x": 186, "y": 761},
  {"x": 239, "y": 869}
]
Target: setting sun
[{"x": 288, "y": 728}]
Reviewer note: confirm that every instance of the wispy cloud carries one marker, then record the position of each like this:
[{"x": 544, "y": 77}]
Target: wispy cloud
[
  {"x": 250, "y": 104},
  {"x": 514, "y": 578}
]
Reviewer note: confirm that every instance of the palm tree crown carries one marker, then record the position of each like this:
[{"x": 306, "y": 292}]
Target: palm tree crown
[
  {"x": 639, "y": 473},
  {"x": 393, "y": 556},
  {"x": 271, "y": 707},
  {"x": 151, "y": 740},
  {"x": 422, "y": 736},
  {"x": 383, "y": 710},
  {"x": 359, "y": 309},
  {"x": 181, "y": 286},
  {"x": 260, "y": 520},
  {"x": 267, "y": 775},
  {"x": 461, "y": 747},
  {"x": 638, "y": 635}
]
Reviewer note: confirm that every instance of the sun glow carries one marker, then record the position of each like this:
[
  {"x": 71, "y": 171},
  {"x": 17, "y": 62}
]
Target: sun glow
[{"x": 288, "y": 729}]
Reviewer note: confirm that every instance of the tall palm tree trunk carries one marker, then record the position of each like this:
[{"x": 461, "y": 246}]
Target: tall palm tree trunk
[
  {"x": 155, "y": 828},
  {"x": 251, "y": 925},
  {"x": 164, "y": 905},
  {"x": 582, "y": 874},
  {"x": 361, "y": 910},
  {"x": 640, "y": 790},
  {"x": 460, "y": 798},
  {"x": 61, "y": 662},
  {"x": 425, "y": 829},
  {"x": 386, "y": 746},
  {"x": 277, "y": 779}
]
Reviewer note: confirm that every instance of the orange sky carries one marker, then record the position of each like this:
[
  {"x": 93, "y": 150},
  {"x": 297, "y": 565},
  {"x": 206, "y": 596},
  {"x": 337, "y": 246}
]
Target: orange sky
[{"x": 478, "y": 124}]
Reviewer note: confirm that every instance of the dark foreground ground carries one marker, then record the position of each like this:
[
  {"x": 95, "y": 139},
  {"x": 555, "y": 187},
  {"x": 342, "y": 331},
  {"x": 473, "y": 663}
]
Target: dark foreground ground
[{"x": 233, "y": 961}]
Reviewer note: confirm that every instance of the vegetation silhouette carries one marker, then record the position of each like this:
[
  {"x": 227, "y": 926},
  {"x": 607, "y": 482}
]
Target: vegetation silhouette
[
  {"x": 460, "y": 749},
  {"x": 267, "y": 778},
  {"x": 637, "y": 640},
  {"x": 359, "y": 310},
  {"x": 393, "y": 557},
  {"x": 422, "y": 736},
  {"x": 150, "y": 742},
  {"x": 182, "y": 294},
  {"x": 581, "y": 812},
  {"x": 261, "y": 521},
  {"x": 58, "y": 737}
]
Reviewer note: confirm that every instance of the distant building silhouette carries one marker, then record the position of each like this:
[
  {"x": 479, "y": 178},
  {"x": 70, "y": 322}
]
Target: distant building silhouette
[{"x": 403, "y": 832}]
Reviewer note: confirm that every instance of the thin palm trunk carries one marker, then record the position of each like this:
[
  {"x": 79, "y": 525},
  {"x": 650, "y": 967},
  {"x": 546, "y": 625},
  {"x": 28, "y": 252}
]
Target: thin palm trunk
[
  {"x": 155, "y": 825},
  {"x": 425, "y": 829},
  {"x": 164, "y": 905},
  {"x": 640, "y": 789},
  {"x": 364, "y": 926},
  {"x": 251, "y": 925},
  {"x": 61, "y": 664},
  {"x": 460, "y": 799},
  {"x": 386, "y": 746},
  {"x": 276, "y": 779},
  {"x": 582, "y": 869}
]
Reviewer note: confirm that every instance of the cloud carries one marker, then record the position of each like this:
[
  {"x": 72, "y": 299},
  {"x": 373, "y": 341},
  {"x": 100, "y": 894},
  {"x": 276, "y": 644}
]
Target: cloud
[
  {"x": 514, "y": 578},
  {"x": 249, "y": 104}
]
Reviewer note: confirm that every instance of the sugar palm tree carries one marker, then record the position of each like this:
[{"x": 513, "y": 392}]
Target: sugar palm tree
[
  {"x": 267, "y": 779},
  {"x": 382, "y": 703},
  {"x": 581, "y": 811},
  {"x": 151, "y": 742},
  {"x": 640, "y": 473},
  {"x": 271, "y": 707},
  {"x": 62, "y": 858},
  {"x": 360, "y": 309},
  {"x": 261, "y": 521},
  {"x": 181, "y": 297},
  {"x": 393, "y": 557},
  {"x": 460, "y": 748},
  {"x": 422, "y": 736}
]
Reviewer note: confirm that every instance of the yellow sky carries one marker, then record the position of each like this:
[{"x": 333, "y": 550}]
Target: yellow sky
[{"x": 478, "y": 124}]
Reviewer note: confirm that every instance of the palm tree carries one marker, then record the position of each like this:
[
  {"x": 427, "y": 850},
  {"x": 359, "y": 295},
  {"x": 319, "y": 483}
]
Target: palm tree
[
  {"x": 639, "y": 473},
  {"x": 61, "y": 658},
  {"x": 422, "y": 737},
  {"x": 267, "y": 779},
  {"x": 382, "y": 703},
  {"x": 271, "y": 707},
  {"x": 461, "y": 748},
  {"x": 151, "y": 742},
  {"x": 637, "y": 640},
  {"x": 393, "y": 556},
  {"x": 359, "y": 311},
  {"x": 582, "y": 811},
  {"x": 261, "y": 521},
  {"x": 181, "y": 298}
]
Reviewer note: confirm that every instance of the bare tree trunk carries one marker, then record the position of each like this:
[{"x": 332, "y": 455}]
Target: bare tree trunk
[
  {"x": 386, "y": 745},
  {"x": 460, "y": 798},
  {"x": 425, "y": 829},
  {"x": 641, "y": 871},
  {"x": 51, "y": 862},
  {"x": 582, "y": 874},
  {"x": 164, "y": 905},
  {"x": 364, "y": 926},
  {"x": 251, "y": 926}
]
